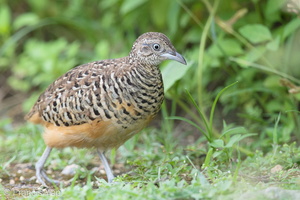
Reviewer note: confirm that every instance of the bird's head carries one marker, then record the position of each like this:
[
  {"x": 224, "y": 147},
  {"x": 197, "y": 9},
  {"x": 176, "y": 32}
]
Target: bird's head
[{"x": 152, "y": 48}]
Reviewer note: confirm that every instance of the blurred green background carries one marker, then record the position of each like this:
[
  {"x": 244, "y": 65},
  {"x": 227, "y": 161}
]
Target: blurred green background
[
  {"x": 255, "y": 42},
  {"x": 230, "y": 122}
]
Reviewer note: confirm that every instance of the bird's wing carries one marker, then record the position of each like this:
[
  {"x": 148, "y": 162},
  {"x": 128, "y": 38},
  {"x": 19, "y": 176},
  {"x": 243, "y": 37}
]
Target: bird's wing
[{"x": 80, "y": 96}]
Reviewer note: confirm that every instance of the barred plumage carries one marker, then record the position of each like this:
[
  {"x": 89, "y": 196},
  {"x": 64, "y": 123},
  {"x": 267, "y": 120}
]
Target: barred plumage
[{"x": 103, "y": 103}]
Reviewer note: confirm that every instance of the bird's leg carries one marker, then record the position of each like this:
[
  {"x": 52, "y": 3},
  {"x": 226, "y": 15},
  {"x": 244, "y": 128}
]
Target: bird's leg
[
  {"x": 107, "y": 168},
  {"x": 39, "y": 167}
]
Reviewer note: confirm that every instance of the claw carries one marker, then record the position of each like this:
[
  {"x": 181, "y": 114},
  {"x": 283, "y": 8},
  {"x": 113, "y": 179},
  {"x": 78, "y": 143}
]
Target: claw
[
  {"x": 49, "y": 179},
  {"x": 39, "y": 177}
]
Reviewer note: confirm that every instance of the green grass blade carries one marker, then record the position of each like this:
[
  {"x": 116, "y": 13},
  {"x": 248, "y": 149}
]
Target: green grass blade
[
  {"x": 192, "y": 123},
  {"x": 275, "y": 135},
  {"x": 203, "y": 179},
  {"x": 201, "y": 64},
  {"x": 211, "y": 117},
  {"x": 208, "y": 158},
  {"x": 264, "y": 68},
  {"x": 200, "y": 113}
]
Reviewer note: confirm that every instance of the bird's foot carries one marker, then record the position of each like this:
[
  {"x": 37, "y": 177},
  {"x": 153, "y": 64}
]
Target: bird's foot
[{"x": 42, "y": 177}]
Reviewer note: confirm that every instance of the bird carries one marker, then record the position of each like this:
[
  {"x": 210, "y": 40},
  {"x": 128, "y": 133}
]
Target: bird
[{"x": 104, "y": 103}]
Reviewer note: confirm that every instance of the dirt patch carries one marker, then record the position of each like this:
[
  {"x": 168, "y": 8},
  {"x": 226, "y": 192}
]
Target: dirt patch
[{"x": 19, "y": 180}]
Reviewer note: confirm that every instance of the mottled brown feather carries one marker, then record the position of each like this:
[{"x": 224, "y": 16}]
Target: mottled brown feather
[{"x": 103, "y": 103}]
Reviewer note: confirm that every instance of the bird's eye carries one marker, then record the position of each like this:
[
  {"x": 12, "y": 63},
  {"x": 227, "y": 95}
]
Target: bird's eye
[{"x": 156, "y": 47}]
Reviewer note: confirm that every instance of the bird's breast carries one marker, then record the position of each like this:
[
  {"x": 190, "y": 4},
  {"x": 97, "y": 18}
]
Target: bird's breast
[{"x": 130, "y": 97}]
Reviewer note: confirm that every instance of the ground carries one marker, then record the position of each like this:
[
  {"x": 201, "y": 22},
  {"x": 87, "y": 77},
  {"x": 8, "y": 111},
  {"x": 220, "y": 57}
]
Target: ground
[{"x": 146, "y": 169}]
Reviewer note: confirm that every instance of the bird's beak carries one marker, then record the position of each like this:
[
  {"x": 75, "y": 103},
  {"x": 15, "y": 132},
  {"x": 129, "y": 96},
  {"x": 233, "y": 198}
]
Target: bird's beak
[{"x": 174, "y": 56}]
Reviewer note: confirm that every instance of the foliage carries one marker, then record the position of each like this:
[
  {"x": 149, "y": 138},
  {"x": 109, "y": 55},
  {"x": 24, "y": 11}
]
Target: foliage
[
  {"x": 50, "y": 60},
  {"x": 154, "y": 172},
  {"x": 254, "y": 43}
]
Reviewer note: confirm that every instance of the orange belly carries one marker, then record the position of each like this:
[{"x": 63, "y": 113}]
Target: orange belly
[{"x": 103, "y": 135}]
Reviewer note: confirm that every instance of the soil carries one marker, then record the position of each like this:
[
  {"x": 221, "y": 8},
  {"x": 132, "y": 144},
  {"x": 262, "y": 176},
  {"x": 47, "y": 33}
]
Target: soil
[{"x": 20, "y": 180}]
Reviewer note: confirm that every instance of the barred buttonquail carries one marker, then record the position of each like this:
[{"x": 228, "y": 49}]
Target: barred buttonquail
[{"x": 103, "y": 103}]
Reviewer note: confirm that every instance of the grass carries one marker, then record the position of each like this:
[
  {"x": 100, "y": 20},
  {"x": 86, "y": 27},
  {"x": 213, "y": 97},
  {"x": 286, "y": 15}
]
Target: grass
[
  {"x": 155, "y": 165},
  {"x": 191, "y": 156},
  {"x": 149, "y": 170}
]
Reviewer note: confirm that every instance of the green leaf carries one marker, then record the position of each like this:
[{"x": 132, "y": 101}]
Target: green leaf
[
  {"x": 172, "y": 72},
  {"x": 218, "y": 143},
  {"x": 273, "y": 6},
  {"x": 256, "y": 33},
  {"x": 158, "y": 13},
  {"x": 225, "y": 47},
  {"x": 233, "y": 140},
  {"x": 26, "y": 19},
  {"x": 274, "y": 44},
  {"x": 18, "y": 84},
  {"x": 233, "y": 131},
  {"x": 5, "y": 17},
  {"x": 291, "y": 27},
  {"x": 236, "y": 138},
  {"x": 101, "y": 49},
  {"x": 273, "y": 10},
  {"x": 129, "y": 5},
  {"x": 252, "y": 56},
  {"x": 173, "y": 17},
  {"x": 217, "y": 153}
]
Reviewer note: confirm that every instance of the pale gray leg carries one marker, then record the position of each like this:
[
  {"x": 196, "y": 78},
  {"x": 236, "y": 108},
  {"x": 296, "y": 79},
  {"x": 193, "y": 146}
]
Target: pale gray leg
[
  {"x": 108, "y": 171},
  {"x": 39, "y": 167}
]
